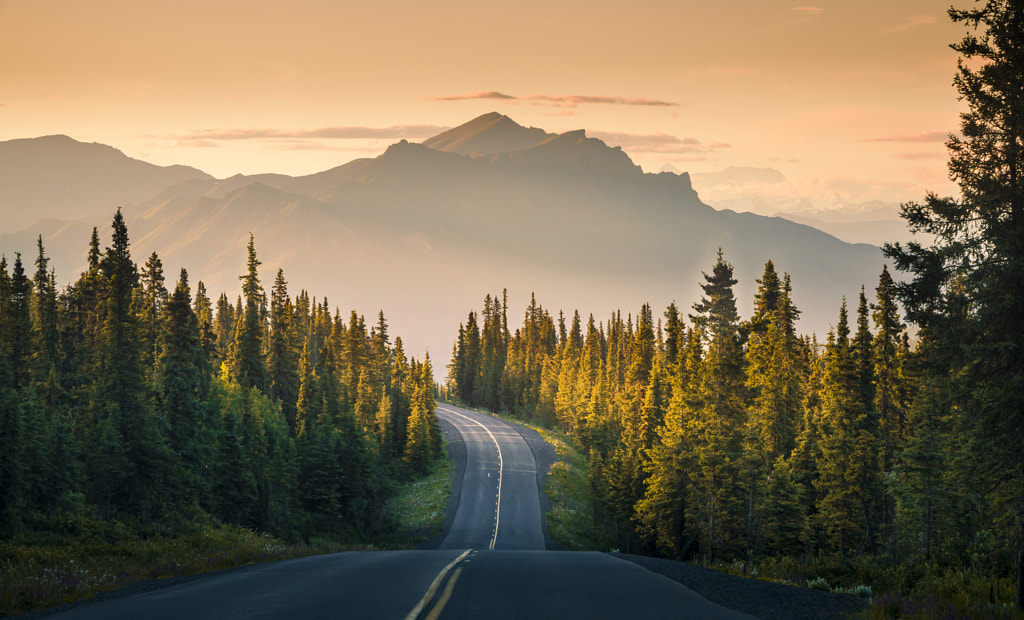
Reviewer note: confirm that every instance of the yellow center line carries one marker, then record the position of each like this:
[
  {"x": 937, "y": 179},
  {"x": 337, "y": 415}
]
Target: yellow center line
[
  {"x": 433, "y": 587},
  {"x": 441, "y": 602}
]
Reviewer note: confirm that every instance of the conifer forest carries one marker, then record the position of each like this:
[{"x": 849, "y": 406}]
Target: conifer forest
[
  {"x": 898, "y": 435},
  {"x": 139, "y": 400}
]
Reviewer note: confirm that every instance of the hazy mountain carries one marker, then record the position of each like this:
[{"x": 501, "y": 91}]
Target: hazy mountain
[
  {"x": 739, "y": 175},
  {"x": 424, "y": 234},
  {"x": 58, "y": 177},
  {"x": 872, "y": 222},
  {"x": 486, "y": 135}
]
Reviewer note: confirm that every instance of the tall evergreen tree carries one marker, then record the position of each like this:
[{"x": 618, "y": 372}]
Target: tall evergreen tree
[
  {"x": 245, "y": 358},
  {"x": 182, "y": 388},
  {"x": 282, "y": 354},
  {"x": 977, "y": 254}
]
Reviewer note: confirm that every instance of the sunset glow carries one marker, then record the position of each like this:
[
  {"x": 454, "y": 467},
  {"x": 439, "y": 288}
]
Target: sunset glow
[{"x": 834, "y": 95}]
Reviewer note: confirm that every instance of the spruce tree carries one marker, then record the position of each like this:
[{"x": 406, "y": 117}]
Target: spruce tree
[
  {"x": 717, "y": 498},
  {"x": 282, "y": 354},
  {"x": 245, "y": 357},
  {"x": 974, "y": 254},
  {"x": 181, "y": 383}
]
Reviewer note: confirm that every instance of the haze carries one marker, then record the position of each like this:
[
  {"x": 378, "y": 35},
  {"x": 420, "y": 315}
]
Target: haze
[{"x": 850, "y": 101}]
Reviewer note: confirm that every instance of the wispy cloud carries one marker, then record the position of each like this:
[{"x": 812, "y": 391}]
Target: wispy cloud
[
  {"x": 656, "y": 143},
  {"x": 917, "y": 156},
  {"x": 911, "y": 22},
  {"x": 562, "y": 101},
  {"x": 324, "y": 133},
  {"x": 479, "y": 94},
  {"x": 808, "y": 10},
  {"x": 922, "y": 136}
]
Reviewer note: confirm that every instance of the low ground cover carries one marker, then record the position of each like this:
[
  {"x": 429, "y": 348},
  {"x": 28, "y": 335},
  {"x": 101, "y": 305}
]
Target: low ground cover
[{"x": 73, "y": 557}]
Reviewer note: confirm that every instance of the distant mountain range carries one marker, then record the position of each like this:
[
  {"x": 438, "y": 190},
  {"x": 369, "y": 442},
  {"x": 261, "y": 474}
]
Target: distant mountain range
[{"x": 424, "y": 231}]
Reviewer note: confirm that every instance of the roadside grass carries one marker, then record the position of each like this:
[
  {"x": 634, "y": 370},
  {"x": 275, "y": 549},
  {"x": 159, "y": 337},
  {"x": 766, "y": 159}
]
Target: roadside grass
[
  {"x": 419, "y": 506},
  {"x": 910, "y": 589},
  {"x": 36, "y": 576},
  {"x": 571, "y": 520},
  {"x": 79, "y": 557}
]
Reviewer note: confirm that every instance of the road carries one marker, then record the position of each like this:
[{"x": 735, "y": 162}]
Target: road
[
  {"x": 499, "y": 506},
  {"x": 490, "y": 565}
]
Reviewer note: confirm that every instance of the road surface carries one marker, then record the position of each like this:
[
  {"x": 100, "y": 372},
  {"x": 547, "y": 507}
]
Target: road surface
[
  {"x": 498, "y": 505},
  {"x": 490, "y": 565}
]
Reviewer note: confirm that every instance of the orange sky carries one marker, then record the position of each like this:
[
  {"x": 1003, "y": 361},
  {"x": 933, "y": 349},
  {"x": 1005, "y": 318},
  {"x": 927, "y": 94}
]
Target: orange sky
[{"x": 845, "y": 98}]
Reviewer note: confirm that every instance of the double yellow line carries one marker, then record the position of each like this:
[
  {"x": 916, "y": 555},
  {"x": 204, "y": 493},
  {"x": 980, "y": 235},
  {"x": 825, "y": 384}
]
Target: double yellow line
[{"x": 441, "y": 602}]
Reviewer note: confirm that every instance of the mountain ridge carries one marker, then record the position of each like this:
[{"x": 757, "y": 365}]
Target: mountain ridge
[{"x": 423, "y": 233}]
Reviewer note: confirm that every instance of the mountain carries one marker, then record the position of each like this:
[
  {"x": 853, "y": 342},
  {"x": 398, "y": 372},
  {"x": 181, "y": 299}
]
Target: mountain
[
  {"x": 58, "y": 177},
  {"x": 424, "y": 232},
  {"x": 740, "y": 175},
  {"x": 486, "y": 135}
]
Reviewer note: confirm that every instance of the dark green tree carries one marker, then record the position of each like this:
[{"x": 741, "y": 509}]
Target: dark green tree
[
  {"x": 974, "y": 255},
  {"x": 245, "y": 357}
]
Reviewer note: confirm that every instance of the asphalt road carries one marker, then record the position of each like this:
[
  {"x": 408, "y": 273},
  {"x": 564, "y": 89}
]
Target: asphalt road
[
  {"x": 498, "y": 505},
  {"x": 491, "y": 565}
]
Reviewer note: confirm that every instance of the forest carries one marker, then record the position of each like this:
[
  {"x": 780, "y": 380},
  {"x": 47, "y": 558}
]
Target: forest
[
  {"x": 125, "y": 399},
  {"x": 897, "y": 437}
]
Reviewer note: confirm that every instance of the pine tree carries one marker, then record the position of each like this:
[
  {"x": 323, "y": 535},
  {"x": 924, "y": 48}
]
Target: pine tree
[
  {"x": 181, "y": 383},
  {"x": 126, "y": 420},
  {"x": 282, "y": 354},
  {"x": 148, "y": 306},
  {"x": 847, "y": 465},
  {"x": 716, "y": 497},
  {"x": 45, "y": 334},
  {"x": 975, "y": 254},
  {"x": 245, "y": 357}
]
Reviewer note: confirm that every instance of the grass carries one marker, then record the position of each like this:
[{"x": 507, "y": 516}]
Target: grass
[
  {"x": 69, "y": 564},
  {"x": 907, "y": 590},
  {"x": 571, "y": 519},
  {"x": 419, "y": 506},
  {"x": 37, "y": 576}
]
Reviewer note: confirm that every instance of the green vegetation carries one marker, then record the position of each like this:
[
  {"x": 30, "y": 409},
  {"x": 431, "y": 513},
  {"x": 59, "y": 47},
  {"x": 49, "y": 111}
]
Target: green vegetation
[
  {"x": 144, "y": 434},
  {"x": 881, "y": 458},
  {"x": 419, "y": 506},
  {"x": 89, "y": 557},
  {"x": 571, "y": 519}
]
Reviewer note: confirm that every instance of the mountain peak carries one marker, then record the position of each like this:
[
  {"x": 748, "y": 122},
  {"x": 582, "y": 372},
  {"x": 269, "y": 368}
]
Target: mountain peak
[{"x": 489, "y": 134}]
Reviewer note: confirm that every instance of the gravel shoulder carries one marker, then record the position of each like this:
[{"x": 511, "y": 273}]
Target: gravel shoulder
[{"x": 764, "y": 599}]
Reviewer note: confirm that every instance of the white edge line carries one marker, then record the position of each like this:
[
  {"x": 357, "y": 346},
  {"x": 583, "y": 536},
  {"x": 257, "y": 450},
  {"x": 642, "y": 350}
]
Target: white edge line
[{"x": 497, "y": 511}]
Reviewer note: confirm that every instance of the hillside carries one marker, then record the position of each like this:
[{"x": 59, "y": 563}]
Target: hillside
[
  {"x": 58, "y": 177},
  {"x": 424, "y": 233}
]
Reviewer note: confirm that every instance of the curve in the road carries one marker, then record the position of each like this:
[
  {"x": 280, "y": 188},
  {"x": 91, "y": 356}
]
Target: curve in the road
[
  {"x": 497, "y": 508},
  {"x": 498, "y": 487}
]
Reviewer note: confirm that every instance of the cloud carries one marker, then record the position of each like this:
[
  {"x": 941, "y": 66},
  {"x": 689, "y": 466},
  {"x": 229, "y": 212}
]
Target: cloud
[
  {"x": 917, "y": 156},
  {"x": 324, "y": 133},
  {"x": 562, "y": 101},
  {"x": 196, "y": 143},
  {"x": 656, "y": 143},
  {"x": 808, "y": 10},
  {"x": 480, "y": 94},
  {"x": 911, "y": 22},
  {"x": 922, "y": 136}
]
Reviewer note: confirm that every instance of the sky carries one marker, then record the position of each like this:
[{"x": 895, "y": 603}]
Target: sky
[{"x": 851, "y": 101}]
